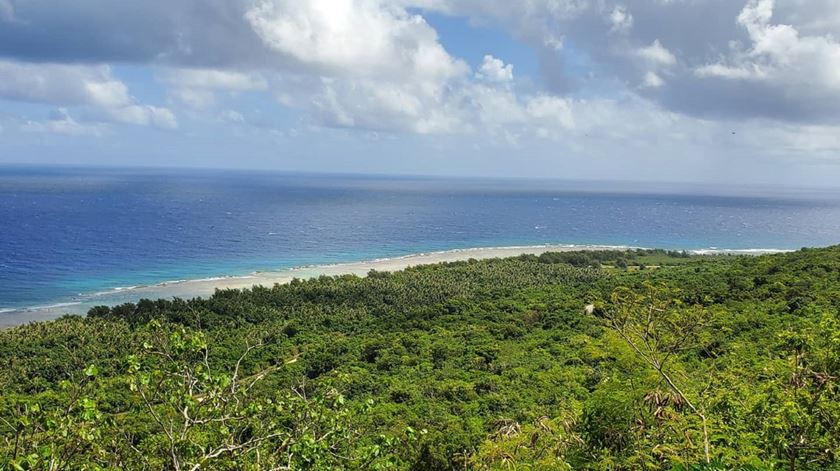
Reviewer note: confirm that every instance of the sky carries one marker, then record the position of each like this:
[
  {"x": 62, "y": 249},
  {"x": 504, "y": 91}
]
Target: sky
[{"x": 729, "y": 91}]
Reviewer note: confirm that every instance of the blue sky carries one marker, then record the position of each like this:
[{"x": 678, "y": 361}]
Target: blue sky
[{"x": 725, "y": 91}]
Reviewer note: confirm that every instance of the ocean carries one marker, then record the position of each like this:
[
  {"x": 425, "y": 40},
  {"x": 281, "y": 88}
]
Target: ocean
[{"x": 69, "y": 233}]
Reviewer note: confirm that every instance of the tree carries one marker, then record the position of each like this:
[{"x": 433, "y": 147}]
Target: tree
[
  {"x": 800, "y": 415},
  {"x": 185, "y": 410},
  {"x": 63, "y": 437},
  {"x": 658, "y": 327},
  {"x": 209, "y": 418}
]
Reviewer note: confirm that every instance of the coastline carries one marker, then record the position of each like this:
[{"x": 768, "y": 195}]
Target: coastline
[{"x": 207, "y": 286}]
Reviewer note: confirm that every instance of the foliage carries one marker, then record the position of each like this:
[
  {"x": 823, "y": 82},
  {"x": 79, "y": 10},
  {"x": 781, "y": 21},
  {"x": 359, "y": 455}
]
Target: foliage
[{"x": 563, "y": 361}]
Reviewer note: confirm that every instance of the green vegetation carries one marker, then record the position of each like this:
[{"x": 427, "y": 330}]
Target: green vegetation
[{"x": 563, "y": 361}]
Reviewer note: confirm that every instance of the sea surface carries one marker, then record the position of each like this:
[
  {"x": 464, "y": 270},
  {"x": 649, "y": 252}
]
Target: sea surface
[{"x": 67, "y": 233}]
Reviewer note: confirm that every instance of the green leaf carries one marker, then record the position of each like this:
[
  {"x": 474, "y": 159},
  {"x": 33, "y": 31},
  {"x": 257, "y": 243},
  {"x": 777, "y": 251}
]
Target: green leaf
[{"x": 91, "y": 371}]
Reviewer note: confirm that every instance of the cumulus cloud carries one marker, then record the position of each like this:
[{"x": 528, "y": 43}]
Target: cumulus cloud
[
  {"x": 375, "y": 105},
  {"x": 75, "y": 85},
  {"x": 194, "y": 98},
  {"x": 656, "y": 60},
  {"x": 657, "y": 55},
  {"x": 465, "y": 107},
  {"x": 777, "y": 71},
  {"x": 143, "y": 115},
  {"x": 60, "y": 84},
  {"x": 215, "y": 79},
  {"x": 549, "y": 115},
  {"x": 378, "y": 64},
  {"x": 197, "y": 88},
  {"x": 231, "y": 116},
  {"x": 724, "y": 58},
  {"x": 653, "y": 80},
  {"x": 361, "y": 63},
  {"x": 360, "y": 38},
  {"x": 62, "y": 123},
  {"x": 620, "y": 19},
  {"x": 779, "y": 54},
  {"x": 718, "y": 70},
  {"x": 495, "y": 70}
]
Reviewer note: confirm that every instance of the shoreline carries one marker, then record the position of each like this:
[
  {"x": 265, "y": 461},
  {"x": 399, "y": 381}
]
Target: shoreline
[{"x": 204, "y": 287}]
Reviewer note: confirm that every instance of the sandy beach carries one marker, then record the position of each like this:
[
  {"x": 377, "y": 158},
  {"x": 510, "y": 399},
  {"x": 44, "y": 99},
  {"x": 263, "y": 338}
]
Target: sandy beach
[{"x": 205, "y": 287}]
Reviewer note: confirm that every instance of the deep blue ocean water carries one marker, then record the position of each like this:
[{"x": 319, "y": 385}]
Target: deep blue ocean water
[{"x": 74, "y": 230}]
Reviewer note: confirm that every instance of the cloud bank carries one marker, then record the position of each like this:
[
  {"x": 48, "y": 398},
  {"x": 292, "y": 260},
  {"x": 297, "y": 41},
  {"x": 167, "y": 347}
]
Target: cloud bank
[{"x": 679, "y": 66}]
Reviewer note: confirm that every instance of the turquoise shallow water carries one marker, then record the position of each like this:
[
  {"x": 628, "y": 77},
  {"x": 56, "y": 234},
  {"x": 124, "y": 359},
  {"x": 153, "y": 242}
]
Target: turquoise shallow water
[{"x": 70, "y": 231}]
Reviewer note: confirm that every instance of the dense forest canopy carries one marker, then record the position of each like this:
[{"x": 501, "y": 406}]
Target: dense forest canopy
[{"x": 585, "y": 360}]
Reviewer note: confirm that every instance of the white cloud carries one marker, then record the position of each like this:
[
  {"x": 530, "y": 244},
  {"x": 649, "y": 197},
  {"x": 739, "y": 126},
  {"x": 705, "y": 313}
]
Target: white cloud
[
  {"x": 75, "y": 85},
  {"x": 492, "y": 107},
  {"x": 63, "y": 123},
  {"x": 653, "y": 80},
  {"x": 390, "y": 43},
  {"x": 728, "y": 72},
  {"x": 378, "y": 65},
  {"x": 356, "y": 38},
  {"x": 143, "y": 115},
  {"x": 396, "y": 76},
  {"x": 231, "y": 116},
  {"x": 212, "y": 79},
  {"x": 361, "y": 63},
  {"x": 464, "y": 107},
  {"x": 551, "y": 110},
  {"x": 620, "y": 19},
  {"x": 197, "y": 87},
  {"x": 780, "y": 56},
  {"x": 197, "y": 99},
  {"x": 58, "y": 84},
  {"x": 382, "y": 106},
  {"x": 788, "y": 47},
  {"x": 657, "y": 55},
  {"x": 495, "y": 70},
  {"x": 809, "y": 140},
  {"x": 656, "y": 61},
  {"x": 108, "y": 93}
]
